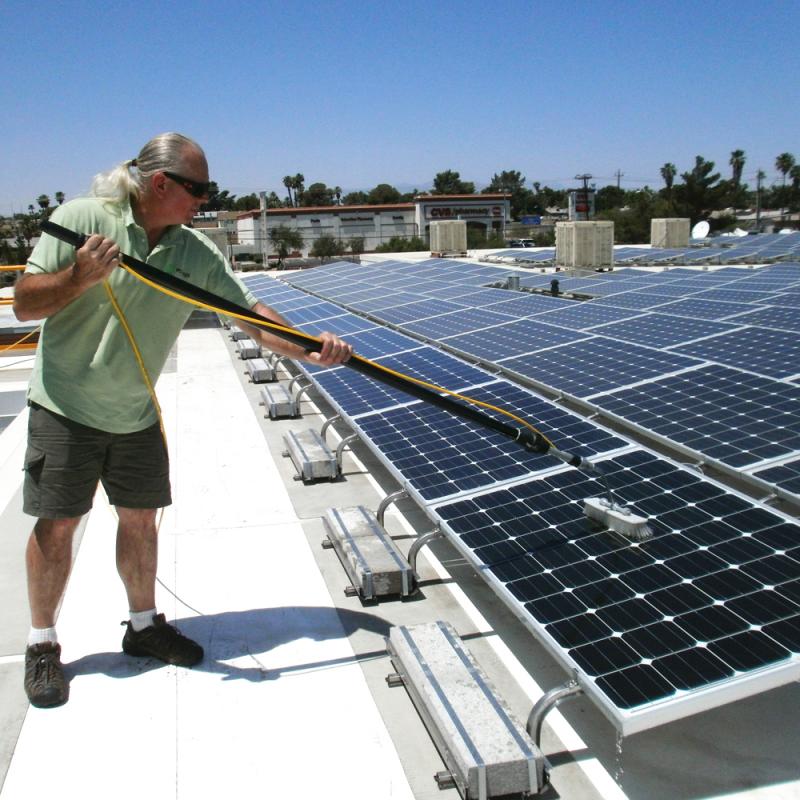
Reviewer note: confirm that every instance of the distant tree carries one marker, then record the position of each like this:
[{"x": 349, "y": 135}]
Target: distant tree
[
  {"x": 247, "y": 202},
  {"x": 318, "y": 194},
  {"x": 273, "y": 201},
  {"x": 337, "y": 193},
  {"x": 383, "y": 194},
  {"x": 288, "y": 182},
  {"x": 784, "y": 163},
  {"x": 284, "y": 240},
  {"x": 609, "y": 197},
  {"x": 355, "y": 199},
  {"x": 218, "y": 200},
  {"x": 668, "y": 173},
  {"x": 44, "y": 201},
  {"x": 400, "y": 244},
  {"x": 700, "y": 191},
  {"x": 737, "y": 161},
  {"x": 326, "y": 247},
  {"x": 510, "y": 182},
  {"x": 59, "y": 198},
  {"x": 298, "y": 184},
  {"x": 356, "y": 245},
  {"x": 449, "y": 182}
]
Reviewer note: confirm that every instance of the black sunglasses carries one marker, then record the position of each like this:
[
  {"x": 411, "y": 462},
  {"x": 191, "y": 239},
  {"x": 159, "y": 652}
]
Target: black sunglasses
[{"x": 195, "y": 188}]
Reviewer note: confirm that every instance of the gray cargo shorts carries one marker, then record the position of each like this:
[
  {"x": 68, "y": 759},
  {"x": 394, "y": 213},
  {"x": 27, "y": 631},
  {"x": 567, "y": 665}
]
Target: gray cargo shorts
[{"x": 65, "y": 460}]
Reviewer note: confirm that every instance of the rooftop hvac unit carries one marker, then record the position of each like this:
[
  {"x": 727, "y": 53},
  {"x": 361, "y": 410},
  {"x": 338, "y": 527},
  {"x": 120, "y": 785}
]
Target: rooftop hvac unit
[
  {"x": 669, "y": 232},
  {"x": 449, "y": 237},
  {"x": 585, "y": 244}
]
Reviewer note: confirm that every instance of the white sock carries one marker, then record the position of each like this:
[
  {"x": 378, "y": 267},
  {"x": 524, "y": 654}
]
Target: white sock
[
  {"x": 41, "y": 636},
  {"x": 142, "y": 619}
]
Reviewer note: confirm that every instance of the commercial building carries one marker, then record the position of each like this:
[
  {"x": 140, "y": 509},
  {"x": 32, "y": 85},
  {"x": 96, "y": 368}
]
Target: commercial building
[{"x": 376, "y": 224}]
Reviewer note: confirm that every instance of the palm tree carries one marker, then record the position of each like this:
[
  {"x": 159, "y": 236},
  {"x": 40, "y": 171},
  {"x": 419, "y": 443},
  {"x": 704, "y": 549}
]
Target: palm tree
[
  {"x": 668, "y": 173},
  {"x": 784, "y": 163},
  {"x": 44, "y": 202},
  {"x": 60, "y": 198},
  {"x": 737, "y": 165},
  {"x": 288, "y": 182},
  {"x": 337, "y": 192},
  {"x": 298, "y": 183}
]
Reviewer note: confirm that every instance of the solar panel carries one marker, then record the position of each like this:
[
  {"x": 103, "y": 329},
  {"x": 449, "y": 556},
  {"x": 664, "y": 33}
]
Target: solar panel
[
  {"x": 704, "y": 612},
  {"x": 526, "y": 305},
  {"x": 377, "y": 342},
  {"x": 595, "y": 365},
  {"x": 784, "y": 476},
  {"x": 767, "y": 352},
  {"x": 343, "y": 325},
  {"x": 398, "y": 315},
  {"x": 785, "y": 319},
  {"x": 660, "y": 330},
  {"x": 469, "y": 319},
  {"x": 436, "y": 454},
  {"x": 637, "y": 300},
  {"x": 512, "y": 338},
  {"x": 735, "y": 417},
  {"x": 704, "y": 309},
  {"x": 580, "y": 316}
]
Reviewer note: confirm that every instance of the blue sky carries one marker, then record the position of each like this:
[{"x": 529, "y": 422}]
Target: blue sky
[{"x": 359, "y": 93}]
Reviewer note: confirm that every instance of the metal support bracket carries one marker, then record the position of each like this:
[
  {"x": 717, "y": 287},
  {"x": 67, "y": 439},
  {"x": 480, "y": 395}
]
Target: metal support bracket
[
  {"x": 423, "y": 540},
  {"x": 546, "y": 703},
  {"x": 341, "y": 446},
  {"x": 400, "y": 494},
  {"x": 327, "y": 424}
]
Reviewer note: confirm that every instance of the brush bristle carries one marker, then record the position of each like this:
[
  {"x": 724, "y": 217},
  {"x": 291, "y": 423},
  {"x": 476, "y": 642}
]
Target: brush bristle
[{"x": 617, "y": 518}]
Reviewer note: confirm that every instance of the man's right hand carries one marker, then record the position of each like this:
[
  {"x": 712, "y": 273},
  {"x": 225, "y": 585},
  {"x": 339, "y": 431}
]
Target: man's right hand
[{"x": 95, "y": 261}]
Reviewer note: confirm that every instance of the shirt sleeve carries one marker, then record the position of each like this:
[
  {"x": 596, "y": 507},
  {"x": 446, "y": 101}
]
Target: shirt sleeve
[{"x": 51, "y": 254}]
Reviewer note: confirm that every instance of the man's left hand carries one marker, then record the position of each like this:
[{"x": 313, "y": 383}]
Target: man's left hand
[{"x": 334, "y": 351}]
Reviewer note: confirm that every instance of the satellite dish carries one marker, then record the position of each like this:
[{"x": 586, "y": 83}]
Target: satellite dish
[{"x": 700, "y": 231}]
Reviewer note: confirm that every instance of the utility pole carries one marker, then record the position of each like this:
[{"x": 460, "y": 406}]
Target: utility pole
[
  {"x": 619, "y": 174},
  {"x": 583, "y": 207},
  {"x": 759, "y": 177}
]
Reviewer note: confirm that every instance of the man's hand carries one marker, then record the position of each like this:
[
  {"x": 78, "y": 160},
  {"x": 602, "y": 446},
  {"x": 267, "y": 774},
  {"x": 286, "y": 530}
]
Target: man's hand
[
  {"x": 95, "y": 261},
  {"x": 334, "y": 351}
]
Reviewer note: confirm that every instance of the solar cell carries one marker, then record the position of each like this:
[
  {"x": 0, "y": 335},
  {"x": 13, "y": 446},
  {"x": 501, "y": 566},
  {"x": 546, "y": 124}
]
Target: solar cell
[
  {"x": 595, "y": 365},
  {"x": 709, "y": 604},
  {"x": 726, "y": 414}
]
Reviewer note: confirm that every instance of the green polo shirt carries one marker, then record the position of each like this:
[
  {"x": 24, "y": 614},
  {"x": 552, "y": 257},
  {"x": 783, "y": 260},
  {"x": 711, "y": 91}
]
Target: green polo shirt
[{"x": 85, "y": 367}]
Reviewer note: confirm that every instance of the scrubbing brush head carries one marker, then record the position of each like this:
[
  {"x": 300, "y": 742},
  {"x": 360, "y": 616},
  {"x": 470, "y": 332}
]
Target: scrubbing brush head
[{"x": 617, "y": 518}]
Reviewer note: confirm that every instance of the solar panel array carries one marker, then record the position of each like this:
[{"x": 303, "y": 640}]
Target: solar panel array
[
  {"x": 758, "y": 249},
  {"x": 707, "y": 610}
]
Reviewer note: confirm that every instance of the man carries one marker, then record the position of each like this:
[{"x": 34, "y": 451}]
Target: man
[{"x": 92, "y": 416}]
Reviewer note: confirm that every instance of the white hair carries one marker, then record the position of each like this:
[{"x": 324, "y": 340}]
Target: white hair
[{"x": 129, "y": 178}]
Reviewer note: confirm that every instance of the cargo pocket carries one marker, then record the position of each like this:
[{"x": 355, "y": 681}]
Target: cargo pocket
[{"x": 34, "y": 463}]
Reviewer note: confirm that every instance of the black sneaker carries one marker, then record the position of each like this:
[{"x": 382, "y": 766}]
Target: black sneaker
[
  {"x": 44, "y": 676},
  {"x": 162, "y": 641}
]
